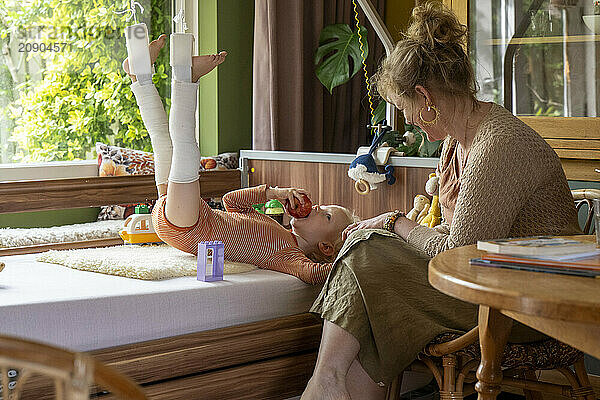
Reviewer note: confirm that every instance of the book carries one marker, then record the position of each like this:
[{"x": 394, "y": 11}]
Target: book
[
  {"x": 536, "y": 268},
  {"x": 588, "y": 264},
  {"x": 536, "y": 246}
]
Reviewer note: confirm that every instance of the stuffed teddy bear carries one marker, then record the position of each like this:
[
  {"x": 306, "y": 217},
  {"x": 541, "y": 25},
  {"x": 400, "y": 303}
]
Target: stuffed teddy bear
[
  {"x": 434, "y": 216},
  {"x": 420, "y": 208}
]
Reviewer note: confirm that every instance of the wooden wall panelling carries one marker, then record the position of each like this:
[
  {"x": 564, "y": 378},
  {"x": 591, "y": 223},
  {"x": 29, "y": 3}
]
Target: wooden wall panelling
[
  {"x": 40, "y": 248},
  {"x": 57, "y": 194},
  {"x": 200, "y": 353},
  {"x": 278, "y": 378},
  {"x": 330, "y": 184},
  {"x": 576, "y": 140},
  {"x": 565, "y": 128}
]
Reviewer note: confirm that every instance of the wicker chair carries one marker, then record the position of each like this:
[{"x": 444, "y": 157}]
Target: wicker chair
[
  {"x": 72, "y": 373},
  {"x": 453, "y": 358}
]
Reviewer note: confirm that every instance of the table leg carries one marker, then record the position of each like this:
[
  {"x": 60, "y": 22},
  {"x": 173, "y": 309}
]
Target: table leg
[{"x": 494, "y": 329}]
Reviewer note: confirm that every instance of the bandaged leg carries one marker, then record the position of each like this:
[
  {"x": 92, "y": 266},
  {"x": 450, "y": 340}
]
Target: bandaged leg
[
  {"x": 182, "y": 123},
  {"x": 182, "y": 47},
  {"x": 155, "y": 120}
]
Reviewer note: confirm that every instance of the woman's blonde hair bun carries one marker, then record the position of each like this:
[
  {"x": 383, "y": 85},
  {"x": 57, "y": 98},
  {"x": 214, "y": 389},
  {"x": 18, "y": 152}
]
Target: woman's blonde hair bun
[
  {"x": 432, "y": 23},
  {"x": 431, "y": 54}
]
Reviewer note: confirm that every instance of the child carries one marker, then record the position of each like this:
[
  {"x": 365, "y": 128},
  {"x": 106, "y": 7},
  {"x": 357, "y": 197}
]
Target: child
[{"x": 182, "y": 218}]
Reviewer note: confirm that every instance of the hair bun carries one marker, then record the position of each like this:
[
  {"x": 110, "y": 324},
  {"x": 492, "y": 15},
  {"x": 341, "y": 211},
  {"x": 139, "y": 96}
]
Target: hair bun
[{"x": 434, "y": 23}]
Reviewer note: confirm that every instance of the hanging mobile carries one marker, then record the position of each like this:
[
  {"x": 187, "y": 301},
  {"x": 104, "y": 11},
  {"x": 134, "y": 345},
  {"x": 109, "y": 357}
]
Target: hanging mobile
[
  {"x": 136, "y": 39},
  {"x": 364, "y": 167}
]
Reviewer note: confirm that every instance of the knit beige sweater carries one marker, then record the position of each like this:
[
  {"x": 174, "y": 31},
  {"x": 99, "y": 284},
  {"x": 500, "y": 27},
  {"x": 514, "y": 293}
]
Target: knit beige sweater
[{"x": 512, "y": 185}]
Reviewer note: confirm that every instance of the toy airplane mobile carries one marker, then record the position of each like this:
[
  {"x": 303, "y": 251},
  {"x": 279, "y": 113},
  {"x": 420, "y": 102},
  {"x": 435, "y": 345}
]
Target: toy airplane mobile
[{"x": 138, "y": 228}]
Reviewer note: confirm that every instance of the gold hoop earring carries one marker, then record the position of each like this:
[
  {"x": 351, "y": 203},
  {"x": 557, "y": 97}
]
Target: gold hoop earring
[{"x": 429, "y": 108}]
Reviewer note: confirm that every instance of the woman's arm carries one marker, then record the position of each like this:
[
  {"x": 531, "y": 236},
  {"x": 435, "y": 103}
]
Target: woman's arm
[{"x": 499, "y": 178}]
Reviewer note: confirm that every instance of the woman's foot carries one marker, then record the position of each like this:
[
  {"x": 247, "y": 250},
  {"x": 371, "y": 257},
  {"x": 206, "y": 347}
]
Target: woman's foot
[
  {"x": 319, "y": 388},
  {"x": 202, "y": 65},
  {"x": 155, "y": 47}
]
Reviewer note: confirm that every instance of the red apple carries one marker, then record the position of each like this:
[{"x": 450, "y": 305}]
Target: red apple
[{"x": 301, "y": 210}]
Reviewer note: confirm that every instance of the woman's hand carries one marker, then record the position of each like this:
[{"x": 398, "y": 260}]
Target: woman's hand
[
  {"x": 372, "y": 223},
  {"x": 283, "y": 194}
]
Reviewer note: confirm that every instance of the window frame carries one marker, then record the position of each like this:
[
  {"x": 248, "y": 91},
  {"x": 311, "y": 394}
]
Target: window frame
[{"x": 11, "y": 172}]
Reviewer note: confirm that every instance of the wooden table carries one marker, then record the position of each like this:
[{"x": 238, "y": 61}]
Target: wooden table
[{"x": 564, "y": 307}]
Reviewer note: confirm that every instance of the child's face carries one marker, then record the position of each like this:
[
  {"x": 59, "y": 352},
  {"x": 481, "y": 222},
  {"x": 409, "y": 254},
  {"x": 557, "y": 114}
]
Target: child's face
[{"x": 323, "y": 224}]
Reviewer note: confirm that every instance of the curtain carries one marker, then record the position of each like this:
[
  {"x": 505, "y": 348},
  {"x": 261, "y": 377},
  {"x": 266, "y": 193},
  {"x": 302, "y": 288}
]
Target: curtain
[{"x": 292, "y": 110}]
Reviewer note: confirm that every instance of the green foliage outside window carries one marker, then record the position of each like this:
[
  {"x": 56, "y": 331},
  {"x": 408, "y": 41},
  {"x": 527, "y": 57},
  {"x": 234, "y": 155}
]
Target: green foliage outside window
[{"x": 81, "y": 94}]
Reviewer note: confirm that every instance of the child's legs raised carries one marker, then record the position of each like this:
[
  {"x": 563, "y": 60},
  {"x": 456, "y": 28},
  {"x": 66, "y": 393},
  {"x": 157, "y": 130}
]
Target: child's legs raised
[
  {"x": 183, "y": 203},
  {"x": 183, "y": 192}
]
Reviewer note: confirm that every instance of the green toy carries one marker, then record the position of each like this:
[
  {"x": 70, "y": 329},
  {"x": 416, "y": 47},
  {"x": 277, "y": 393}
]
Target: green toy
[
  {"x": 272, "y": 208},
  {"x": 141, "y": 209}
]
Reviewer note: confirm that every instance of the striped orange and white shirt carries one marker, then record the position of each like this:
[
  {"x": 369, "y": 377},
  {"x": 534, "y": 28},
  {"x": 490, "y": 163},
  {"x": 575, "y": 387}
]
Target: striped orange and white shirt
[{"x": 249, "y": 236}]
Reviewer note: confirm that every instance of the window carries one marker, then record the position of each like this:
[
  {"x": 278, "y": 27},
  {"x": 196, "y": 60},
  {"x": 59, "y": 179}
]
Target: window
[
  {"x": 537, "y": 57},
  {"x": 62, "y": 88}
]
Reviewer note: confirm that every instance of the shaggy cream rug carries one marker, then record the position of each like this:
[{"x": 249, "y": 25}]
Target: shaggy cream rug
[
  {"x": 134, "y": 261},
  {"x": 17, "y": 237}
]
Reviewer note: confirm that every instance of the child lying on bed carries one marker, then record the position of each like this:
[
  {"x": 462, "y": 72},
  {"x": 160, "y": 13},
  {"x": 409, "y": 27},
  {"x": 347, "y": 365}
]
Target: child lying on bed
[{"x": 182, "y": 219}]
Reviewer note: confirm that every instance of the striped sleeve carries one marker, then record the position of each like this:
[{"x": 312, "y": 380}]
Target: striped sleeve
[
  {"x": 242, "y": 200},
  {"x": 293, "y": 262}
]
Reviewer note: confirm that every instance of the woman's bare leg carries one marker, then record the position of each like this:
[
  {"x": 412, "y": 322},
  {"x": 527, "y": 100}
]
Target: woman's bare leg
[
  {"x": 337, "y": 351},
  {"x": 361, "y": 386}
]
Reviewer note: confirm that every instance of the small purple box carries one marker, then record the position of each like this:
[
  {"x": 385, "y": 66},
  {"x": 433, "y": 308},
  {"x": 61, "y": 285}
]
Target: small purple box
[{"x": 211, "y": 261}]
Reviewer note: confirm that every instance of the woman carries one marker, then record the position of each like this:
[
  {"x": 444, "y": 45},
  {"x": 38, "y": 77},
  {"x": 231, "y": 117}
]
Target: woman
[{"x": 498, "y": 178}]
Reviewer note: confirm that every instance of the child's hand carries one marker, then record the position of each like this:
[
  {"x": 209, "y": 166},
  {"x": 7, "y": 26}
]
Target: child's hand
[{"x": 283, "y": 194}]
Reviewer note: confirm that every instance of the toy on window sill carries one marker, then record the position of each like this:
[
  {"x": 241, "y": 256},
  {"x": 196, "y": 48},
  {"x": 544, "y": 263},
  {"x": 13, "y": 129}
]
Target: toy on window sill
[
  {"x": 434, "y": 216},
  {"x": 211, "y": 261},
  {"x": 364, "y": 168},
  {"x": 138, "y": 229}
]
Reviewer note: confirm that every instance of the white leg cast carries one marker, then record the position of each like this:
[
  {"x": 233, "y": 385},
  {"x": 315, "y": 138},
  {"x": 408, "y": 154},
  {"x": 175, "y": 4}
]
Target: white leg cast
[
  {"x": 182, "y": 124},
  {"x": 182, "y": 48},
  {"x": 138, "y": 53},
  {"x": 155, "y": 120}
]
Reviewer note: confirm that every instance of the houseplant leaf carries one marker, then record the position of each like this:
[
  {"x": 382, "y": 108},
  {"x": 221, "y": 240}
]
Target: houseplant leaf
[{"x": 338, "y": 44}]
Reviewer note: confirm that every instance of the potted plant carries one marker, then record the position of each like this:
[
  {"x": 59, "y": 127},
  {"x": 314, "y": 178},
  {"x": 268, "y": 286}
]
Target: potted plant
[
  {"x": 338, "y": 45},
  {"x": 593, "y": 21}
]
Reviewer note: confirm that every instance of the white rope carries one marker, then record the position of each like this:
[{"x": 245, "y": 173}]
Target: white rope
[{"x": 132, "y": 11}]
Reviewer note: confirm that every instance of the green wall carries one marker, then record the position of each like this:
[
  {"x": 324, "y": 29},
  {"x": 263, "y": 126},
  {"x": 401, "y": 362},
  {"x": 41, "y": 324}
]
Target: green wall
[{"x": 225, "y": 104}]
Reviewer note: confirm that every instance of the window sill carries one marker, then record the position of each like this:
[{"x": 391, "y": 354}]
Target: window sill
[{"x": 49, "y": 170}]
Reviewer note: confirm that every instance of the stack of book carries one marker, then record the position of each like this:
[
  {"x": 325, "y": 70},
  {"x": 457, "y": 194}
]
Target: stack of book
[{"x": 541, "y": 254}]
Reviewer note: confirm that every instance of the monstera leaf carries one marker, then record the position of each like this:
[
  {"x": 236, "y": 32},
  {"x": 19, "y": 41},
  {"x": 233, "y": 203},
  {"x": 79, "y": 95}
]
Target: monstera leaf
[{"x": 337, "y": 45}]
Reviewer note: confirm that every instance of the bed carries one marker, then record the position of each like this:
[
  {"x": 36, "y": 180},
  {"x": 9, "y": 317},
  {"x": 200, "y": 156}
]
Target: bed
[{"x": 248, "y": 337}]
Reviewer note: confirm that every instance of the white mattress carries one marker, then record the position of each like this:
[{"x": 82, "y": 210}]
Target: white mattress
[{"x": 85, "y": 310}]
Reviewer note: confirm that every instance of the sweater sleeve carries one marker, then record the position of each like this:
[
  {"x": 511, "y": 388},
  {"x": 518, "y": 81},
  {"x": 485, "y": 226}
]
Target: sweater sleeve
[
  {"x": 242, "y": 200},
  {"x": 293, "y": 262},
  {"x": 497, "y": 180}
]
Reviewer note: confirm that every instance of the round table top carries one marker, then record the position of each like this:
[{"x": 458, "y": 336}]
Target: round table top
[{"x": 564, "y": 297}]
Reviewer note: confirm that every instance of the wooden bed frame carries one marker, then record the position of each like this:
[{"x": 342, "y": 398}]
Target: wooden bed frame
[{"x": 262, "y": 360}]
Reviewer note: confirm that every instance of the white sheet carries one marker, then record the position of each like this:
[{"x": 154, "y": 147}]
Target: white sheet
[{"x": 85, "y": 310}]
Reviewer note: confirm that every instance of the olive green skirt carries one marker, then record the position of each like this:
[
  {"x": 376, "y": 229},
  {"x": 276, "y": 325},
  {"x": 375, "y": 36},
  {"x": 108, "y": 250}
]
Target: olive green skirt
[{"x": 379, "y": 292}]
